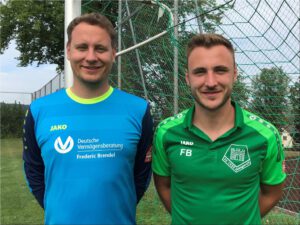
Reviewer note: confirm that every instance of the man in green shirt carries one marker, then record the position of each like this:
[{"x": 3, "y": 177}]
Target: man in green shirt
[{"x": 216, "y": 163}]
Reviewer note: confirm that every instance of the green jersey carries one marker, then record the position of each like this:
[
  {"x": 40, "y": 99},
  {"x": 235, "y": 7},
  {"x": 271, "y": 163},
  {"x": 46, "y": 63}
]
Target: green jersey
[{"x": 217, "y": 182}]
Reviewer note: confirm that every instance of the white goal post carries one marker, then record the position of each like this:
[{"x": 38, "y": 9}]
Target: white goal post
[{"x": 72, "y": 10}]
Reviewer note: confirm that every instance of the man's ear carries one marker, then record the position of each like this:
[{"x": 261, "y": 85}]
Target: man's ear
[
  {"x": 235, "y": 73},
  {"x": 114, "y": 52},
  {"x": 187, "y": 78},
  {"x": 68, "y": 48}
]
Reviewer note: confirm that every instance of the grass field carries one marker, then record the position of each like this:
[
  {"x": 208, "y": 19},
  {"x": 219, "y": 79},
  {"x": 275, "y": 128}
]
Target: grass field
[{"x": 18, "y": 206}]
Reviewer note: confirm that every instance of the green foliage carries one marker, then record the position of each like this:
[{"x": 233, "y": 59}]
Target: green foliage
[
  {"x": 270, "y": 91},
  {"x": 12, "y": 117},
  {"x": 37, "y": 27},
  {"x": 295, "y": 103},
  {"x": 240, "y": 92},
  {"x": 107, "y": 8}
]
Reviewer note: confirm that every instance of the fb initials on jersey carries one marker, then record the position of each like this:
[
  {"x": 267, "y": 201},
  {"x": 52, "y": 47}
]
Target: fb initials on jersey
[{"x": 186, "y": 152}]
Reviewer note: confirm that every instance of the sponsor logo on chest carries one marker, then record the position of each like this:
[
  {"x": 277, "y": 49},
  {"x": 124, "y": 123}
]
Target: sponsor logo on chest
[
  {"x": 86, "y": 148},
  {"x": 64, "y": 147}
]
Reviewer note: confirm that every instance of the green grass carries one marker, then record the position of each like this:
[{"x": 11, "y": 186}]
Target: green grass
[
  {"x": 18, "y": 206},
  {"x": 280, "y": 218},
  {"x": 150, "y": 210}
]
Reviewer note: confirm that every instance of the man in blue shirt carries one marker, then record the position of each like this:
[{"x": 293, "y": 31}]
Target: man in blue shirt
[{"x": 86, "y": 152}]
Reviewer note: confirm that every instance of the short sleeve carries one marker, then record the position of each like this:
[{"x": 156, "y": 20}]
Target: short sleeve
[
  {"x": 160, "y": 162},
  {"x": 273, "y": 165}
]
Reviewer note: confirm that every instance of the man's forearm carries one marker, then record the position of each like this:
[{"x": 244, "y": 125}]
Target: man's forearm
[
  {"x": 163, "y": 187},
  {"x": 269, "y": 196},
  {"x": 266, "y": 204},
  {"x": 166, "y": 200}
]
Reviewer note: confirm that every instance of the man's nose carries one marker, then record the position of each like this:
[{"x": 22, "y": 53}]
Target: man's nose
[
  {"x": 210, "y": 80},
  {"x": 91, "y": 55}
]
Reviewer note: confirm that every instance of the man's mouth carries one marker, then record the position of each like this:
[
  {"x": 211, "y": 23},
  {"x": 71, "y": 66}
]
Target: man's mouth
[
  {"x": 91, "y": 67},
  {"x": 211, "y": 92}
]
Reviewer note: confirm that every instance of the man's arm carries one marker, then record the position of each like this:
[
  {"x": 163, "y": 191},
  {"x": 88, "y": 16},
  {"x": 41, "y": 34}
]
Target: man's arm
[
  {"x": 142, "y": 166},
  {"x": 269, "y": 196},
  {"x": 163, "y": 187},
  {"x": 33, "y": 163}
]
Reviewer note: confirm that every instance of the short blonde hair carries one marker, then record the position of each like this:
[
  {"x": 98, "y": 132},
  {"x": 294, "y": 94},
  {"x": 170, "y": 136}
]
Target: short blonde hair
[
  {"x": 97, "y": 20},
  {"x": 208, "y": 41}
]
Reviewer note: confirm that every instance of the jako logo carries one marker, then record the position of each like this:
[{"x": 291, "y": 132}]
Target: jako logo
[
  {"x": 58, "y": 127},
  {"x": 63, "y": 148}
]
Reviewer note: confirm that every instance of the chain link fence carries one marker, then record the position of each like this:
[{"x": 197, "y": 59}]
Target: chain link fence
[
  {"x": 266, "y": 37},
  {"x": 52, "y": 86}
]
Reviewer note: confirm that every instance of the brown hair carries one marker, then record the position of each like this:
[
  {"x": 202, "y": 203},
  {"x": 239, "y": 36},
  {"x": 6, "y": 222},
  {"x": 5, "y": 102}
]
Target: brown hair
[
  {"x": 208, "y": 41},
  {"x": 97, "y": 20}
]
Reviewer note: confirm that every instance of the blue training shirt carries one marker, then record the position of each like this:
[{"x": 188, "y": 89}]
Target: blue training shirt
[{"x": 88, "y": 162}]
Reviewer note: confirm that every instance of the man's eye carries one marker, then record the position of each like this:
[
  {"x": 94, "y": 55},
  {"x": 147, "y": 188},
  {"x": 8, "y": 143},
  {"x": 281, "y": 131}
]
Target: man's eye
[
  {"x": 199, "y": 72},
  {"x": 221, "y": 70},
  {"x": 100, "y": 49},
  {"x": 81, "y": 48}
]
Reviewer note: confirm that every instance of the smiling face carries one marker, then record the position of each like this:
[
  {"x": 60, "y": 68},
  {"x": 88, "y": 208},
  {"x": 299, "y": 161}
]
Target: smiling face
[
  {"x": 211, "y": 75},
  {"x": 91, "y": 55}
]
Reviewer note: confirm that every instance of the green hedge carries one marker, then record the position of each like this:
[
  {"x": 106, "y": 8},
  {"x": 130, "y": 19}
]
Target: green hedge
[{"x": 12, "y": 117}]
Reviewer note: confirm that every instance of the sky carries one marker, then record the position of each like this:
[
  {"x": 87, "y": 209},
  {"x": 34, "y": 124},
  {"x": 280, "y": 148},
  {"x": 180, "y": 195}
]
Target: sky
[{"x": 17, "y": 80}]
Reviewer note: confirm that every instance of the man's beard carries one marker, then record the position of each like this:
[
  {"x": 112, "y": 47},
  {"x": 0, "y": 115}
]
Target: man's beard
[
  {"x": 94, "y": 84},
  {"x": 215, "y": 108}
]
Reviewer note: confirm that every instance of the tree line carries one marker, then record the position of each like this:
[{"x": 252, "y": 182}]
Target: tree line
[
  {"x": 272, "y": 95},
  {"x": 12, "y": 120}
]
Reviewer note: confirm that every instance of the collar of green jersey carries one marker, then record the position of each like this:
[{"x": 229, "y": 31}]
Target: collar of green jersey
[
  {"x": 239, "y": 121},
  {"x": 89, "y": 100}
]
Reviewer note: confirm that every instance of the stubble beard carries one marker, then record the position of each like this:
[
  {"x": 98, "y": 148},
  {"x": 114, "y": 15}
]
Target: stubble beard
[
  {"x": 225, "y": 99},
  {"x": 94, "y": 84}
]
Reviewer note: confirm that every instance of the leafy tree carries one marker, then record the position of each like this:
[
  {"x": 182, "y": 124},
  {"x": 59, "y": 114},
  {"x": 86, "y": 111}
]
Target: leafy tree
[
  {"x": 37, "y": 27},
  {"x": 240, "y": 91},
  {"x": 270, "y": 91},
  {"x": 107, "y": 8},
  {"x": 12, "y": 117},
  {"x": 295, "y": 103}
]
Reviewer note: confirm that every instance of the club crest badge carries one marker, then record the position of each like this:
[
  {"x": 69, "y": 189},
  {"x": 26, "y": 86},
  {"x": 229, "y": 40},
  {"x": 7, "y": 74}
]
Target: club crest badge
[{"x": 237, "y": 157}]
